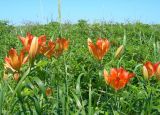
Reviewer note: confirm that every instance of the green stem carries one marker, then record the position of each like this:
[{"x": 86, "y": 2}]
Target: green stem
[
  {"x": 149, "y": 98},
  {"x": 31, "y": 62},
  {"x": 2, "y": 97},
  {"x": 58, "y": 106},
  {"x": 117, "y": 99},
  {"x": 63, "y": 98},
  {"x": 29, "y": 107},
  {"x": 90, "y": 98},
  {"x": 22, "y": 104},
  {"x": 66, "y": 86},
  {"x": 59, "y": 11},
  {"x": 59, "y": 18},
  {"x": 101, "y": 64}
]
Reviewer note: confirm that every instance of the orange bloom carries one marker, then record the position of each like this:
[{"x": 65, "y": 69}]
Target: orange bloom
[
  {"x": 15, "y": 61},
  {"x": 118, "y": 77},
  {"x": 32, "y": 44},
  {"x": 48, "y": 50},
  {"x": 33, "y": 48},
  {"x": 61, "y": 45},
  {"x": 100, "y": 48},
  {"x": 150, "y": 69},
  {"x": 26, "y": 41}
]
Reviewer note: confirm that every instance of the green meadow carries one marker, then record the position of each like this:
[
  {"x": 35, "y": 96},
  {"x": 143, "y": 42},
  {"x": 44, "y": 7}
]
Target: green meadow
[{"x": 76, "y": 77}]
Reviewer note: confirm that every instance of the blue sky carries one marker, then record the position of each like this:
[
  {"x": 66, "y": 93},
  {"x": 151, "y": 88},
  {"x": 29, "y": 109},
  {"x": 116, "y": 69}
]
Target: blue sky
[{"x": 43, "y": 11}]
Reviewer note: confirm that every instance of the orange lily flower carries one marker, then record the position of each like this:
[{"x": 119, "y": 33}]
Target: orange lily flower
[
  {"x": 33, "y": 48},
  {"x": 100, "y": 48},
  {"x": 15, "y": 61},
  {"x": 26, "y": 41},
  {"x": 48, "y": 50},
  {"x": 118, "y": 77},
  {"x": 150, "y": 69},
  {"x": 61, "y": 45},
  {"x": 32, "y": 44}
]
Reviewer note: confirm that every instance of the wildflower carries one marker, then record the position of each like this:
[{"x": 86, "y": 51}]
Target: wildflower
[
  {"x": 100, "y": 48},
  {"x": 48, "y": 50},
  {"x": 61, "y": 45},
  {"x": 33, "y": 44},
  {"x": 33, "y": 48},
  {"x": 26, "y": 41},
  {"x": 149, "y": 70},
  {"x": 118, "y": 77},
  {"x": 15, "y": 61},
  {"x": 119, "y": 51}
]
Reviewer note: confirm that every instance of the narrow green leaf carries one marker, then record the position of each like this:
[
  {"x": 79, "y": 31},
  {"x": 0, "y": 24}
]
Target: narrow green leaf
[
  {"x": 90, "y": 98},
  {"x": 40, "y": 85},
  {"x": 124, "y": 38},
  {"x": 36, "y": 105},
  {"x": 77, "y": 100},
  {"x": 78, "y": 83},
  {"x": 1, "y": 100}
]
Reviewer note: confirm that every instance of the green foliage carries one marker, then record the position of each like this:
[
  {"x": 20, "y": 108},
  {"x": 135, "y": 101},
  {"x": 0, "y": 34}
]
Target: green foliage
[{"x": 76, "y": 77}]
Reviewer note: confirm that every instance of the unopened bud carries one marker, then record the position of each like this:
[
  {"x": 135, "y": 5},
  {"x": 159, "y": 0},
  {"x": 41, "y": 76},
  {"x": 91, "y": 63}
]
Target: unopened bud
[
  {"x": 119, "y": 51},
  {"x": 105, "y": 74},
  {"x": 145, "y": 73},
  {"x": 16, "y": 76}
]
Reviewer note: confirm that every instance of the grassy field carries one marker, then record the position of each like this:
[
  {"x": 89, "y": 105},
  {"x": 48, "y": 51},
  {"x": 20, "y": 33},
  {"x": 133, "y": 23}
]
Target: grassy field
[{"x": 76, "y": 77}]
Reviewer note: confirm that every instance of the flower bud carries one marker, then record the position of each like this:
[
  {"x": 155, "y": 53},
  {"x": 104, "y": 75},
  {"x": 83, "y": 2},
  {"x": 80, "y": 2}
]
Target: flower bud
[
  {"x": 16, "y": 76},
  {"x": 145, "y": 73},
  {"x": 119, "y": 51},
  {"x": 105, "y": 74}
]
